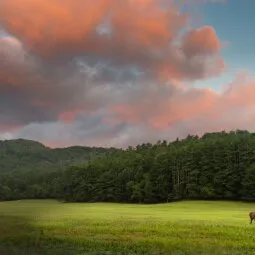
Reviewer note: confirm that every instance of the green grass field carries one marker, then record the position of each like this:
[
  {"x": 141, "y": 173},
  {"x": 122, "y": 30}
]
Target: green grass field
[{"x": 50, "y": 227}]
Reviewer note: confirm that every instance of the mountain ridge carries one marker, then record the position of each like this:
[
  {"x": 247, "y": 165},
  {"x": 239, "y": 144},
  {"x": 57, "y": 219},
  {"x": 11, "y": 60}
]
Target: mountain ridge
[{"x": 24, "y": 155}]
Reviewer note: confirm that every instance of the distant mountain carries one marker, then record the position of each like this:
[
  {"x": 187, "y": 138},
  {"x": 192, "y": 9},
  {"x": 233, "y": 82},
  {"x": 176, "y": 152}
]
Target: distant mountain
[{"x": 26, "y": 155}]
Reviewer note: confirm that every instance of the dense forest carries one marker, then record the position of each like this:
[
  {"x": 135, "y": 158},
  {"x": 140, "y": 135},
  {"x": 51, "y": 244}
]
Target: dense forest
[{"x": 215, "y": 166}]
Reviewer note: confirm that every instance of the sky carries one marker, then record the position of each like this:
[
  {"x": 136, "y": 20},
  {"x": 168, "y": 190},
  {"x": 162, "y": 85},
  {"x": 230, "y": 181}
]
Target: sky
[{"x": 124, "y": 72}]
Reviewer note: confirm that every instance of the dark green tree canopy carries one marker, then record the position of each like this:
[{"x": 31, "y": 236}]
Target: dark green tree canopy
[{"x": 215, "y": 166}]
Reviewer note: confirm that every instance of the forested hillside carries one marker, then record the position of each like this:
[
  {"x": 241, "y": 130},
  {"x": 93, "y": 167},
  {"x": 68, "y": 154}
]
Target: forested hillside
[
  {"x": 29, "y": 156},
  {"x": 214, "y": 166}
]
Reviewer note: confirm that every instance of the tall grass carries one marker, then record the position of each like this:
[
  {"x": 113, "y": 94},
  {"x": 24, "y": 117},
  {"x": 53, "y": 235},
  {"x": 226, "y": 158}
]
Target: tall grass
[{"x": 50, "y": 227}]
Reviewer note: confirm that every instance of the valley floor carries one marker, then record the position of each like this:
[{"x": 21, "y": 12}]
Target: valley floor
[{"x": 193, "y": 227}]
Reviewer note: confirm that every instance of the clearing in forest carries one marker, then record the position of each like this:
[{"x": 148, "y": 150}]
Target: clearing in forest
[{"x": 189, "y": 227}]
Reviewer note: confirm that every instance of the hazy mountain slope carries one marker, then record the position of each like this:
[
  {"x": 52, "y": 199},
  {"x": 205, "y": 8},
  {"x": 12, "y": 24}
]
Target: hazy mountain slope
[{"x": 26, "y": 155}]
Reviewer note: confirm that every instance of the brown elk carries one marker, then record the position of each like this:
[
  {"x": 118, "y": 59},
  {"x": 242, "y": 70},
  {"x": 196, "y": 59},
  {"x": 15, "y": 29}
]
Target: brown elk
[{"x": 252, "y": 216}]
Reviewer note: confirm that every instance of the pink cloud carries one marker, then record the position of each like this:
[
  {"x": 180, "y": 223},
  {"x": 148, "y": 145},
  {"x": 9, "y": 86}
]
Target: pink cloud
[
  {"x": 190, "y": 105},
  {"x": 158, "y": 113},
  {"x": 56, "y": 100},
  {"x": 141, "y": 32},
  {"x": 201, "y": 41}
]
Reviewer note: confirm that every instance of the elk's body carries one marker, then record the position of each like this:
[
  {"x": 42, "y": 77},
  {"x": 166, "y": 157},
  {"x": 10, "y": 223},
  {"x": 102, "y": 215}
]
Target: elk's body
[{"x": 252, "y": 216}]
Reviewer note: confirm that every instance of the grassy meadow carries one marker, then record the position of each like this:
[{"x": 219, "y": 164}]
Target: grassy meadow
[{"x": 189, "y": 227}]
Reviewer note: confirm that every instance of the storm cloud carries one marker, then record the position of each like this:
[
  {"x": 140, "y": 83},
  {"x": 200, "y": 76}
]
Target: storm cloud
[{"x": 110, "y": 73}]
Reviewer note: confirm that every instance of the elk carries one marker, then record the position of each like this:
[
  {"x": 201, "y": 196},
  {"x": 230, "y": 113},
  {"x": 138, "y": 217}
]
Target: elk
[{"x": 252, "y": 216}]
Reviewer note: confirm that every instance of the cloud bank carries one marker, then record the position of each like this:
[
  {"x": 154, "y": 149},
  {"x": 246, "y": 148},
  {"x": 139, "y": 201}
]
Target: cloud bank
[{"x": 111, "y": 73}]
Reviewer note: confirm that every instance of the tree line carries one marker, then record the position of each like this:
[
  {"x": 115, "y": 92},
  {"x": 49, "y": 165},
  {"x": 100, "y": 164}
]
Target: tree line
[{"x": 215, "y": 166}]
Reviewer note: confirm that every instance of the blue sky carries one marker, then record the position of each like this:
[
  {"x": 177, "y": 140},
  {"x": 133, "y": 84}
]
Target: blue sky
[{"x": 234, "y": 23}]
